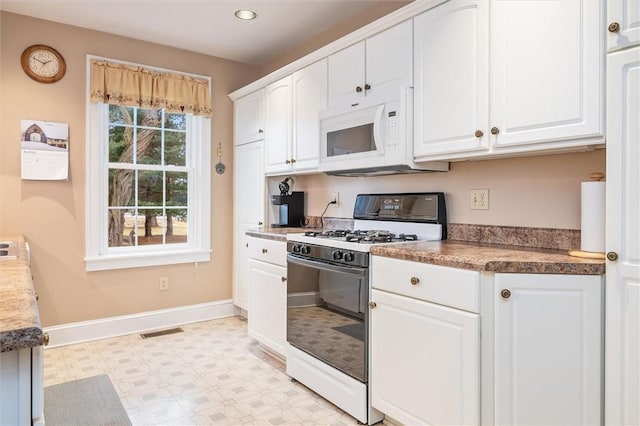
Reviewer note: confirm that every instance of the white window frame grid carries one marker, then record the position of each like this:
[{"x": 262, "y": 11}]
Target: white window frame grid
[{"x": 198, "y": 162}]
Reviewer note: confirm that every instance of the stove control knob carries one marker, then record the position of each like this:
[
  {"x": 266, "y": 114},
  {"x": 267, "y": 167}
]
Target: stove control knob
[
  {"x": 295, "y": 248},
  {"x": 337, "y": 255},
  {"x": 348, "y": 257},
  {"x": 305, "y": 250}
]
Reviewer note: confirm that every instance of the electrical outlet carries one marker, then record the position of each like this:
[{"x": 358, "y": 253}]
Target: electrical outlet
[
  {"x": 336, "y": 198},
  {"x": 164, "y": 283},
  {"x": 479, "y": 199}
]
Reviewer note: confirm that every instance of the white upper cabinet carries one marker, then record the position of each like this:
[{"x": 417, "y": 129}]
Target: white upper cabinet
[
  {"x": 249, "y": 118},
  {"x": 547, "y": 72},
  {"x": 370, "y": 67},
  {"x": 623, "y": 21},
  {"x": 452, "y": 78},
  {"x": 292, "y": 141},
  {"x": 531, "y": 80},
  {"x": 309, "y": 98},
  {"x": 278, "y": 125}
]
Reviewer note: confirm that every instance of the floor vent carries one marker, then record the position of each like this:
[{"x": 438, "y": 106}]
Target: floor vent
[{"x": 161, "y": 333}]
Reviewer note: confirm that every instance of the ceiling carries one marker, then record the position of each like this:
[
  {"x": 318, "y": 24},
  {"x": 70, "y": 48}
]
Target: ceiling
[{"x": 204, "y": 26}]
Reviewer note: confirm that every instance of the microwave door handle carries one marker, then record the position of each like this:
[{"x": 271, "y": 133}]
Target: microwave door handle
[
  {"x": 377, "y": 123},
  {"x": 326, "y": 266}
]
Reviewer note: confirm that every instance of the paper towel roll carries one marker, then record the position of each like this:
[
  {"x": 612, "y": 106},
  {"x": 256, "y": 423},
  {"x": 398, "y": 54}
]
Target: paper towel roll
[{"x": 592, "y": 225}]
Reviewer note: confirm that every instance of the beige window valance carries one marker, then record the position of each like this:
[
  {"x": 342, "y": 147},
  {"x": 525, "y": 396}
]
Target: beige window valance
[{"x": 122, "y": 84}]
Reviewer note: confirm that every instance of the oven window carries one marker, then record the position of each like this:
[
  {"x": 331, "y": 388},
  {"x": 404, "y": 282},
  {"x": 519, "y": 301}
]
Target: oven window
[
  {"x": 326, "y": 317},
  {"x": 350, "y": 141}
]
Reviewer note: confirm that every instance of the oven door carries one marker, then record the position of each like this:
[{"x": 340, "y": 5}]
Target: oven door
[{"x": 327, "y": 315}]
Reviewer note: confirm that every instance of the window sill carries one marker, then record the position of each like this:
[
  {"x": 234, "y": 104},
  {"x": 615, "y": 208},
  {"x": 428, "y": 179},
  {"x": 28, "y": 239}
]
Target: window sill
[{"x": 129, "y": 260}]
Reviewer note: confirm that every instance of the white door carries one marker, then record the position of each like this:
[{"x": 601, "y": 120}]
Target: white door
[
  {"x": 268, "y": 305},
  {"x": 623, "y": 23},
  {"x": 425, "y": 362},
  {"x": 248, "y": 211},
  {"x": 249, "y": 118},
  {"x": 346, "y": 75},
  {"x": 548, "y": 349},
  {"x": 389, "y": 63},
  {"x": 278, "y": 121},
  {"x": 623, "y": 228},
  {"x": 452, "y": 79},
  {"x": 547, "y": 66},
  {"x": 309, "y": 98}
]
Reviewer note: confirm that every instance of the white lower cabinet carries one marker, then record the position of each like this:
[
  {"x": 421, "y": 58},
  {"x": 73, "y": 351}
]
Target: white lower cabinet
[
  {"x": 425, "y": 363},
  {"x": 548, "y": 349},
  {"x": 425, "y": 357},
  {"x": 21, "y": 389},
  {"x": 268, "y": 294}
]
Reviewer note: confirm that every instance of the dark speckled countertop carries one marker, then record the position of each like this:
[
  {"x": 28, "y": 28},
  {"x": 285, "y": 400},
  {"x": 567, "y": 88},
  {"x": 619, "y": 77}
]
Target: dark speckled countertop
[
  {"x": 492, "y": 257},
  {"x": 19, "y": 317},
  {"x": 468, "y": 253}
]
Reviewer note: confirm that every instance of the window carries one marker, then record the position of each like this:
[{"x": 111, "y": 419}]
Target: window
[{"x": 148, "y": 191}]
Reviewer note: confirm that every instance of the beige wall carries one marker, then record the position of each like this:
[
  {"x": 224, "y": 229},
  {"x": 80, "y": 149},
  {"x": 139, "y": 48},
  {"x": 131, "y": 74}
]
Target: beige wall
[
  {"x": 540, "y": 191},
  {"x": 377, "y": 11},
  {"x": 51, "y": 214}
]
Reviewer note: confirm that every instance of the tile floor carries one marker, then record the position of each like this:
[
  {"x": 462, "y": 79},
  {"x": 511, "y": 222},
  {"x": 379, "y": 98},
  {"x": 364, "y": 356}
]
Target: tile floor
[{"x": 212, "y": 374}]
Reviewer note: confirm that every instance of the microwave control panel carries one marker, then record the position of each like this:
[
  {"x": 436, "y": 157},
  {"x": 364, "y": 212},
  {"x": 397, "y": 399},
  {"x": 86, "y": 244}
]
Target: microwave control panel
[{"x": 392, "y": 129}]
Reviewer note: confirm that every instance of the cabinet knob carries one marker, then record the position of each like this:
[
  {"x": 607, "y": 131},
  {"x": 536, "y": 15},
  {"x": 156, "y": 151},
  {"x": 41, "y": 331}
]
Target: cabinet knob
[
  {"x": 264, "y": 250},
  {"x": 288, "y": 161},
  {"x": 260, "y": 131},
  {"x": 495, "y": 130},
  {"x": 479, "y": 134},
  {"x": 367, "y": 87},
  {"x": 358, "y": 89},
  {"x": 614, "y": 27},
  {"x": 414, "y": 280},
  {"x": 37, "y": 296},
  {"x": 283, "y": 279},
  {"x": 293, "y": 160},
  {"x": 505, "y": 293},
  {"x": 246, "y": 245},
  {"x": 612, "y": 256},
  {"x": 259, "y": 223},
  {"x": 372, "y": 305},
  {"x": 45, "y": 339}
]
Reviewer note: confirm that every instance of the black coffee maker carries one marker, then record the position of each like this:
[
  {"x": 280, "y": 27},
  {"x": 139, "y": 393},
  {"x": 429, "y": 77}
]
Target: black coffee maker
[{"x": 290, "y": 206}]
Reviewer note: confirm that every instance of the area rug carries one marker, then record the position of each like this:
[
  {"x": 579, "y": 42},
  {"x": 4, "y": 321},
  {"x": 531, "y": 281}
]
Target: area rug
[
  {"x": 91, "y": 401},
  {"x": 354, "y": 330}
]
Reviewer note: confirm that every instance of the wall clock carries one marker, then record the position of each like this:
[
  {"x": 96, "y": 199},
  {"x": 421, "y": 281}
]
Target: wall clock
[{"x": 43, "y": 64}]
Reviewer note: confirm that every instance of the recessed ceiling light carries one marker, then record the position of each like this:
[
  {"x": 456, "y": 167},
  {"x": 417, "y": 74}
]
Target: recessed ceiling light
[{"x": 245, "y": 14}]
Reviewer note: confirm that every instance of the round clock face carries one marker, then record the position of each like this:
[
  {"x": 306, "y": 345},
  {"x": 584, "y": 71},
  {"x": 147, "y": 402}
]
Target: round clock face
[{"x": 43, "y": 63}]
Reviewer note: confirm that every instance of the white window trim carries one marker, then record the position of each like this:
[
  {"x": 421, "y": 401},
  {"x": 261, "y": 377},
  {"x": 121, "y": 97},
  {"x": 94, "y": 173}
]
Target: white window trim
[{"x": 100, "y": 257}]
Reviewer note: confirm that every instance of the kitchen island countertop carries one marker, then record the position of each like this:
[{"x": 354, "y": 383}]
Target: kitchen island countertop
[
  {"x": 491, "y": 257},
  {"x": 19, "y": 318}
]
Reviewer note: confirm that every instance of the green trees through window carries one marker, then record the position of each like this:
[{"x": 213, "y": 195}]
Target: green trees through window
[{"x": 148, "y": 177}]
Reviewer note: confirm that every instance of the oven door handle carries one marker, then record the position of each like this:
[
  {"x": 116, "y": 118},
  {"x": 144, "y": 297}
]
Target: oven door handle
[{"x": 327, "y": 266}]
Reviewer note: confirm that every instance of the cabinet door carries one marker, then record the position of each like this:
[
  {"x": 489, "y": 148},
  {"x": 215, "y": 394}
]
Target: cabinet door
[
  {"x": 389, "y": 60},
  {"x": 309, "y": 98},
  {"x": 268, "y": 305},
  {"x": 548, "y": 356},
  {"x": 452, "y": 78},
  {"x": 278, "y": 126},
  {"x": 546, "y": 72},
  {"x": 248, "y": 211},
  {"x": 424, "y": 361},
  {"x": 249, "y": 118},
  {"x": 623, "y": 227},
  {"x": 625, "y": 13},
  {"x": 346, "y": 74}
]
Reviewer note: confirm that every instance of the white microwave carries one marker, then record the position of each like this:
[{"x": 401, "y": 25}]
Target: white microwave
[{"x": 372, "y": 136}]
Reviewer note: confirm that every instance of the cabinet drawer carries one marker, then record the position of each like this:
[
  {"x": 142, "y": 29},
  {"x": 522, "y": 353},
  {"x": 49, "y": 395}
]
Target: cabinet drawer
[
  {"x": 453, "y": 287},
  {"x": 269, "y": 251}
]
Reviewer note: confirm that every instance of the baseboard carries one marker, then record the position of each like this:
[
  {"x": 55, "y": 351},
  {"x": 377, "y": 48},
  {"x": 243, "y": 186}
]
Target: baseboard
[
  {"x": 85, "y": 331},
  {"x": 309, "y": 298}
]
